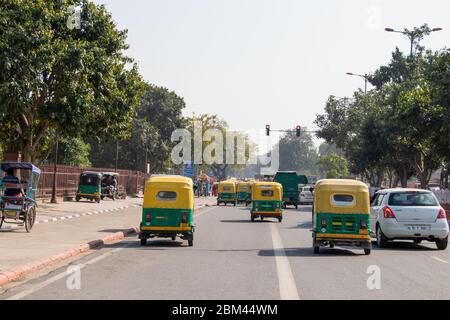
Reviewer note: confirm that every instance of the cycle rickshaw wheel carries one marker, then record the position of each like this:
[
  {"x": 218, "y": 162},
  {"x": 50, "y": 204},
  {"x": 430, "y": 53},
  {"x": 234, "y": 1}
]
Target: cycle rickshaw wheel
[{"x": 30, "y": 218}]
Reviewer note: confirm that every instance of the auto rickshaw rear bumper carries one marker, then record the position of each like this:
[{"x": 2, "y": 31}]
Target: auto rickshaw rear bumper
[
  {"x": 363, "y": 241},
  {"x": 158, "y": 231}
]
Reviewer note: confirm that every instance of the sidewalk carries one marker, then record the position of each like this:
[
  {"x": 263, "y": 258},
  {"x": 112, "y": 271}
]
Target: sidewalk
[{"x": 48, "y": 239}]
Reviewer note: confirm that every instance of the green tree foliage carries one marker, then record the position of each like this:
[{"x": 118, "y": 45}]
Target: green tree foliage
[
  {"x": 73, "y": 152},
  {"x": 399, "y": 128},
  {"x": 157, "y": 116},
  {"x": 333, "y": 166},
  {"x": 298, "y": 153},
  {"x": 76, "y": 82},
  {"x": 221, "y": 168}
]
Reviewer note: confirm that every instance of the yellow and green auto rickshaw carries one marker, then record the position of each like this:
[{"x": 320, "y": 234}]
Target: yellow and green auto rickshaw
[
  {"x": 341, "y": 214},
  {"x": 243, "y": 192},
  {"x": 168, "y": 210},
  {"x": 267, "y": 200},
  {"x": 89, "y": 186},
  {"x": 227, "y": 192}
]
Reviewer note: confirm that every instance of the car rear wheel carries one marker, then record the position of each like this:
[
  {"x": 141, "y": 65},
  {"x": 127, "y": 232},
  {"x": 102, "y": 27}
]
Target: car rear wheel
[
  {"x": 381, "y": 238},
  {"x": 417, "y": 241},
  {"x": 442, "y": 243}
]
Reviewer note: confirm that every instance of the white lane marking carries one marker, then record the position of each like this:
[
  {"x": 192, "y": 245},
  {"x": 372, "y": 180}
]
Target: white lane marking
[
  {"x": 203, "y": 211},
  {"x": 288, "y": 288},
  {"x": 63, "y": 274},
  {"x": 440, "y": 260}
]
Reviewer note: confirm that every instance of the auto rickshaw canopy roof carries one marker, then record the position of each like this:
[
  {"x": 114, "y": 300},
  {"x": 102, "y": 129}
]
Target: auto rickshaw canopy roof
[
  {"x": 182, "y": 186},
  {"x": 328, "y": 191},
  {"x": 20, "y": 165},
  {"x": 260, "y": 186},
  {"x": 227, "y": 183}
]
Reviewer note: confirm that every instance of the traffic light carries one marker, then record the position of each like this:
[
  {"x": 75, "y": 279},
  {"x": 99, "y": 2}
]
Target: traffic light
[
  {"x": 267, "y": 129},
  {"x": 298, "y": 130}
]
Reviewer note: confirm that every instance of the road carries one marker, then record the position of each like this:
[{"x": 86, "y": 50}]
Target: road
[{"x": 233, "y": 258}]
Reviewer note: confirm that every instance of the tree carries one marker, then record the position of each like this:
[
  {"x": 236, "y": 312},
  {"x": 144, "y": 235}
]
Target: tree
[
  {"x": 298, "y": 153},
  {"x": 73, "y": 152},
  {"x": 332, "y": 166},
  {"x": 58, "y": 81},
  {"x": 241, "y": 145},
  {"x": 157, "y": 116}
]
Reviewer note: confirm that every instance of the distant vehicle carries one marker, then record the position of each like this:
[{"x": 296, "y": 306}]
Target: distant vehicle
[
  {"x": 289, "y": 180},
  {"x": 89, "y": 186},
  {"x": 408, "y": 214},
  {"x": 306, "y": 195}
]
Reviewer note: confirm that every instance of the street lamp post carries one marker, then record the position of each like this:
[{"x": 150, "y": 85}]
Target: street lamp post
[
  {"x": 415, "y": 36},
  {"x": 55, "y": 168},
  {"x": 117, "y": 155},
  {"x": 364, "y": 76}
]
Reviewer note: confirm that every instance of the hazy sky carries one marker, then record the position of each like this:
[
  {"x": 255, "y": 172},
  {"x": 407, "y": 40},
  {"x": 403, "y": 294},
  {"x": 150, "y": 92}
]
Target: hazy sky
[{"x": 258, "y": 62}]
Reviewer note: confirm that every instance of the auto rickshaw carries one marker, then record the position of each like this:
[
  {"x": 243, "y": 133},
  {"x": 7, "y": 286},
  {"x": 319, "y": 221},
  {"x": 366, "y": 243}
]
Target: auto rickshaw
[
  {"x": 341, "y": 214},
  {"x": 89, "y": 186},
  {"x": 18, "y": 193},
  {"x": 110, "y": 185},
  {"x": 267, "y": 200},
  {"x": 243, "y": 192},
  {"x": 168, "y": 210},
  {"x": 227, "y": 192}
]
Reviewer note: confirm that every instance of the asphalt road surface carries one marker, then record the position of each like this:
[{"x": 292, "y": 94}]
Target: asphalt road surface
[{"x": 233, "y": 258}]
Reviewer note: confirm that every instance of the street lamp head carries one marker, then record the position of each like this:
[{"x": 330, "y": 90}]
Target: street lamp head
[
  {"x": 349, "y": 73},
  {"x": 389, "y": 29},
  {"x": 436, "y": 29}
]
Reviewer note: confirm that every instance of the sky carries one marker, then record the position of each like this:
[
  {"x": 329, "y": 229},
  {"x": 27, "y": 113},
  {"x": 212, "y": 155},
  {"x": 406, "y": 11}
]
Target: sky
[{"x": 258, "y": 62}]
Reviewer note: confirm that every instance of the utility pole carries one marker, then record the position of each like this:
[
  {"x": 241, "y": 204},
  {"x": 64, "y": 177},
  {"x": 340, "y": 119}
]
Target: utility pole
[
  {"x": 117, "y": 155},
  {"x": 53, "y": 200}
]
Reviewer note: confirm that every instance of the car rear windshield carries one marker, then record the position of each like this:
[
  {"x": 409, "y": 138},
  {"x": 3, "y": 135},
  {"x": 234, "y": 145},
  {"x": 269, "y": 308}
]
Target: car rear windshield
[
  {"x": 413, "y": 198},
  {"x": 166, "y": 195}
]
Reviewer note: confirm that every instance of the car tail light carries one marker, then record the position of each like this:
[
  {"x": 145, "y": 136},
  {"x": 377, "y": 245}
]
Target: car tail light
[
  {"x": 363, "y": 224},
  {"x": 324, "y": 222},
  {"x": 388, "y": 213},
  {"x": 441, "y": 214},
  {"x": 184, "y": 218},
  {"x": 148, "y": 217}
]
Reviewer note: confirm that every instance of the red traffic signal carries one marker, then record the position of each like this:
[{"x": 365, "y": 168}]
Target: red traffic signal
[
  {"x": 267, "y": 129},
  {"x": 298, "y": 130}
]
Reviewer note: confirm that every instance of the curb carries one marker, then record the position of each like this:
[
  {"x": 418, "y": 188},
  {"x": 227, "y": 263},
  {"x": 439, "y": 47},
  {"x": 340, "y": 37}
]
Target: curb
[{"x": 20, "y": 272}]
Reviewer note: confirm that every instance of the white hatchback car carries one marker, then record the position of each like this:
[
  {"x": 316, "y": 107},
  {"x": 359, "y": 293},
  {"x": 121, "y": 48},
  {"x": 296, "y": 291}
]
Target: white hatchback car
[
  {"x": 305, "y": 195},
  {"x": 408, "y": 214}
]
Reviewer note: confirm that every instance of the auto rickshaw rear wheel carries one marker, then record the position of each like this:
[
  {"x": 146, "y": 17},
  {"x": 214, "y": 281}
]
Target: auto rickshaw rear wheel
[
  {"x": 280, "y": 219},
  {"x": 77, "y": 198},
  {"x": 366, "y": 252},
  {"x": 143, "y": 242},
  {"x": 173, "y": 238},
  {"x": 315, "y": 246},
  {"x": 252, "y": 218},
  {"x": 30, "y": 217}
]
